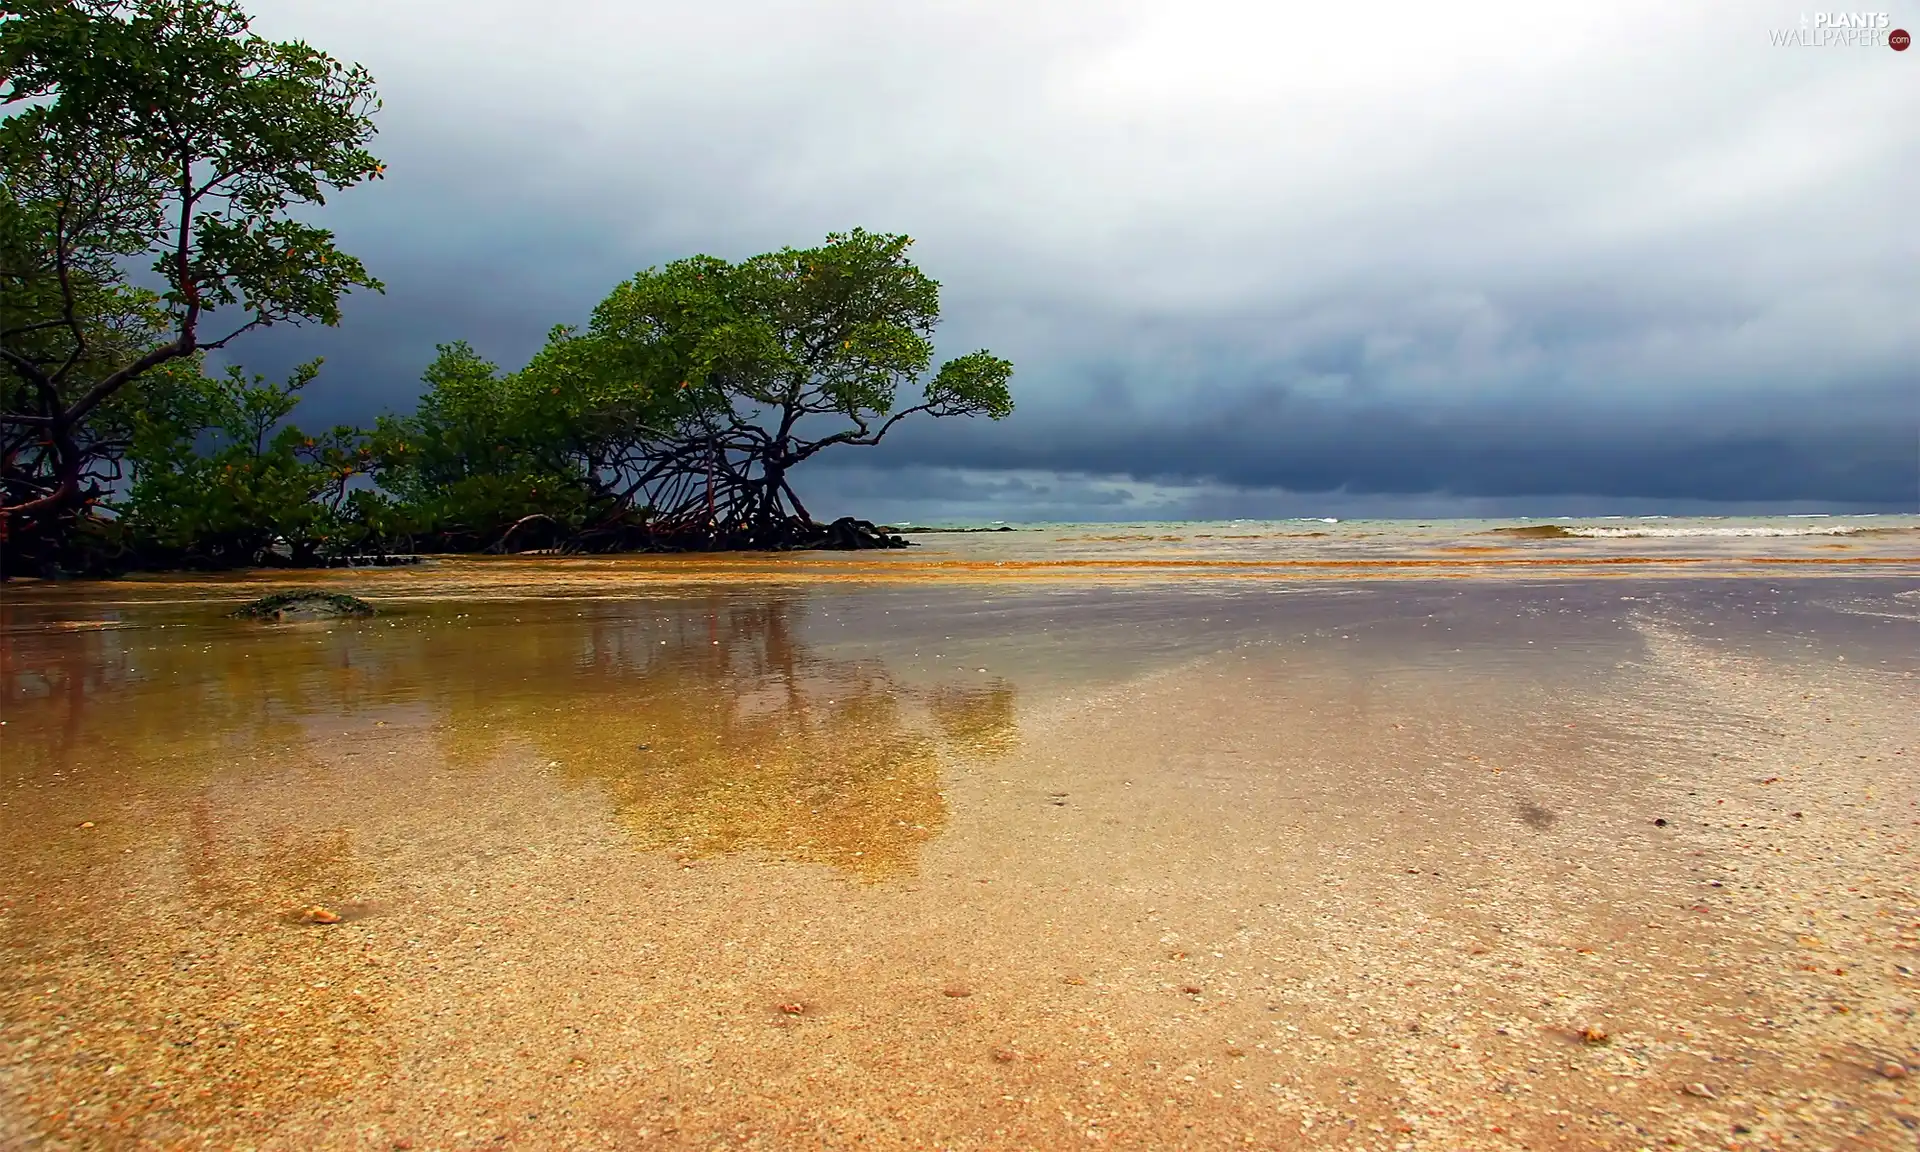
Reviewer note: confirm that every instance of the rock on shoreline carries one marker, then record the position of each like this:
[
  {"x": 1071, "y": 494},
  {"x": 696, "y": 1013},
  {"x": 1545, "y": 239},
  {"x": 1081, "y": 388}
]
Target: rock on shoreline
[{"x": 305, "y": 605}]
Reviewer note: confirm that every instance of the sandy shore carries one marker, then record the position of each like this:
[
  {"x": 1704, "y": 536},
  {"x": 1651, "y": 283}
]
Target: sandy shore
[{"x": 1576, "y": 865}]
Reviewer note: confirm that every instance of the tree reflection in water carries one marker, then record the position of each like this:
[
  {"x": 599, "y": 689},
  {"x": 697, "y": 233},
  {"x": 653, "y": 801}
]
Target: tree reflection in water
[
  {"x": 713, "y": 728},
  {"x": 710, "y": 724}
]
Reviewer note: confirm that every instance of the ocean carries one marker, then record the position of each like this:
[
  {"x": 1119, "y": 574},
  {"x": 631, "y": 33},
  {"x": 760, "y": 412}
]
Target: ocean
[{"x": 1477, "y": 543}]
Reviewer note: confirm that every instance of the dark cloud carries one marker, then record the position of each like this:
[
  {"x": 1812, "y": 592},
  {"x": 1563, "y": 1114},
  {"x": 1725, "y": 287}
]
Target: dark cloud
[
  {"x": 1272, "y": 442},
  {"x": 1244, "y": 257}
]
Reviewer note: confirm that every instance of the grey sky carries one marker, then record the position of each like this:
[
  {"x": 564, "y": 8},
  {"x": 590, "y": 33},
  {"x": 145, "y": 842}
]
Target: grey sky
[{"x": 1247, "y": 258}]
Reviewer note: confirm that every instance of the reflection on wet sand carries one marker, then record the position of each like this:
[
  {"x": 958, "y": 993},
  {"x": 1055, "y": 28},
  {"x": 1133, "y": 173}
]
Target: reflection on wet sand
[
  {"x": 708, "y": 723},
  {"x": 179, "y": 787},
  {"x": 977, "y": 719},
  {"x": 714, "y": 731}
]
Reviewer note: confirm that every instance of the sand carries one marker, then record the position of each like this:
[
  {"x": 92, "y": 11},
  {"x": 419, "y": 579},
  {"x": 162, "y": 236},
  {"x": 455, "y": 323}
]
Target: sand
[{"x": 1379, "y": 867}]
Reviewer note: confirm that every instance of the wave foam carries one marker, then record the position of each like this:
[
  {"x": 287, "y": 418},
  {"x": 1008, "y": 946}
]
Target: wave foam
[{"x": 1608, "y": 532}]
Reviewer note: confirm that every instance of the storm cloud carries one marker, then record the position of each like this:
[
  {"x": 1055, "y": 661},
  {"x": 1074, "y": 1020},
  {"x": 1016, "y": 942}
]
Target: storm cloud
[{"x": 1247, "y": 259}]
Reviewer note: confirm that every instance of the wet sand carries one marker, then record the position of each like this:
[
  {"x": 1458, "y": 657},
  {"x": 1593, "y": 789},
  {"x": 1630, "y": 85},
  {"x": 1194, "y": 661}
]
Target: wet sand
[
  {"x": 1077, "y": 556},
  {"x": 880, "y": 864}
]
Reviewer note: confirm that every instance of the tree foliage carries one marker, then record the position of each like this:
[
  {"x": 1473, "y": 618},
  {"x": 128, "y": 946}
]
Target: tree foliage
[
  {"x": 481, "y": 452},
  {"x": 719, "y": 378},
  {"x": 674, "y": 418},
  {"x": 221, "y": 479},
  {"x": 162, "y": 131}
]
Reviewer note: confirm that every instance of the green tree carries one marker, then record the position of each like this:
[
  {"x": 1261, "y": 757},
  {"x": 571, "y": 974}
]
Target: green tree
[
  {"x": 164, "y": 130},
  {"x": 738, "y": 373},
  {"x": 220, "y": 478},
  {"x": 483, "y": 452}
]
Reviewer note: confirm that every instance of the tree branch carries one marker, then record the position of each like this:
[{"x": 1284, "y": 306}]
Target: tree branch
[
  {"x": 860, "y": 437},
  {"x": 105, "y": 388}
]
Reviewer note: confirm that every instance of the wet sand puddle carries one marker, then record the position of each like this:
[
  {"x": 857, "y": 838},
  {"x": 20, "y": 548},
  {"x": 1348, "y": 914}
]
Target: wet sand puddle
[{"x": 1593, "y": 864}]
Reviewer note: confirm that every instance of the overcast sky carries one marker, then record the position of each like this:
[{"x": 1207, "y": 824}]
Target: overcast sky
[{"x": 1248, "y": 259}]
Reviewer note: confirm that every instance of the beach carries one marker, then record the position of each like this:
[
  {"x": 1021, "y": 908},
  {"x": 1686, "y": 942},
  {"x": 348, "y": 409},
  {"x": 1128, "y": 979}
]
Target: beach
[{"x": 1197, "y": 836}]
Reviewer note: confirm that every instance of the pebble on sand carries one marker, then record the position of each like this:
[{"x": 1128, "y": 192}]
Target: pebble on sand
[{"x": 319, "y": 915}]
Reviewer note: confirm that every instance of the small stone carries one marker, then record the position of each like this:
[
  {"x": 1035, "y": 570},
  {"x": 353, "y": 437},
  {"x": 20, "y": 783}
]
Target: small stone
[
  {"x": 1076, "y": 981},
  {"x": 1660, "y": 823},
  {"x": 1893, "y": 1070},
  {"x": 86, "y": 823},
  {"x": 1005, "y": 1055},
  {"x": 319, "y": 915},
  {"x": 1593, "y": 1036},
  {"x": 1702, "y": 1091},
  {"x": 305, "y": 604},
  {"x": 793, "y": 1009},
  {"x": 956, "y": 991},
  {"x": 1191, "y": 989}
]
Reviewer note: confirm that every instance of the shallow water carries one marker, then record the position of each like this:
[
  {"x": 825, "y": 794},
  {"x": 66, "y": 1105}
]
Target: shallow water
[
  {"x": 910, "y": 861},
  {"x": 812, "y": 723}
]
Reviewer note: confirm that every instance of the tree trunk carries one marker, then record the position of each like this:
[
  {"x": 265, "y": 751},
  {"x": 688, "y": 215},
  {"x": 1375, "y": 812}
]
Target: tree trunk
[{"x": 36, "y": 534}]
